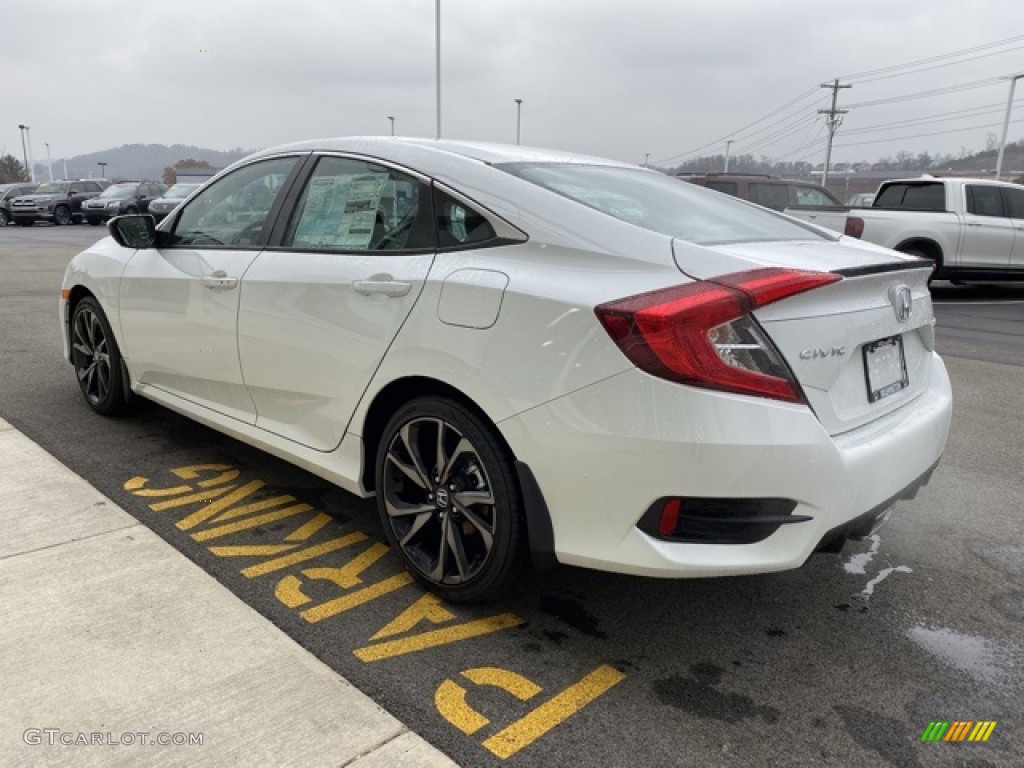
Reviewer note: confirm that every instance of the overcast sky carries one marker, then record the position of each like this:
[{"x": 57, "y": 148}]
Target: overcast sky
[{"x": 618, "y": 78}]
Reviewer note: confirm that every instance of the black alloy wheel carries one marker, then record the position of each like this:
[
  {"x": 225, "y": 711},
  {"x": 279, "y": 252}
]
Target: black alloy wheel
[
  {"x": 97, "y": 359},
  {"x": 61, "y": 215},
  {"x": 449, "y": 501}
]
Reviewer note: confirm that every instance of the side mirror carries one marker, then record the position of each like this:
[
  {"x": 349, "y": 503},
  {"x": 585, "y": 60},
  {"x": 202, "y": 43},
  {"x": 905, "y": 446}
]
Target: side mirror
[{"x": 133, "y": 231}]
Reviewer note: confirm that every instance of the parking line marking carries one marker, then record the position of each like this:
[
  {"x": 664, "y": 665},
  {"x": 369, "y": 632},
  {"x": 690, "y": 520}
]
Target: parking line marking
[
  {"x": 184, "y": 501},
  {"x": 216, "y": 507},
  {"x": 303, "y": 554},
  {"x": 437, "y": 637},
  {"x": 450, "y": 701},
  {"x": 308, "y": 529},
  {"x": 522, "y": 688},
  {"x": 355, "y": 599},
  {"x": 251, "y": 522},
  {"x": 251, "y": 551},
  {"x": 289, "y": 592},
  {"x": 136, "y": 486},
  {"x": 553, "y": 713},
  {"x": 427, "y": 608},
  {"x": 347, "y": 575}
]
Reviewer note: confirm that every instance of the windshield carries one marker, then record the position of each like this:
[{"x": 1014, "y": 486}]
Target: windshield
[
  {"x": 657, "y": 202},
  {"x": 51, "y": 188},
  {"x": 119, "y": 190},
  {"x": 180, "y": 190}
]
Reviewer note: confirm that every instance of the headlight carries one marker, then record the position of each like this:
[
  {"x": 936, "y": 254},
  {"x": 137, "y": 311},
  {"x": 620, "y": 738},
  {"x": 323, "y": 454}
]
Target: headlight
[{"x": 113, "y": 204}]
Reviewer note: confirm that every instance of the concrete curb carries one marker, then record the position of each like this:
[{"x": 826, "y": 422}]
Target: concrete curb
[{"x": 112, "y": 640}]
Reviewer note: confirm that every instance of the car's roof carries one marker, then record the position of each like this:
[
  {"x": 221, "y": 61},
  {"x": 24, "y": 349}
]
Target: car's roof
[{"x": 427, "y": 152}]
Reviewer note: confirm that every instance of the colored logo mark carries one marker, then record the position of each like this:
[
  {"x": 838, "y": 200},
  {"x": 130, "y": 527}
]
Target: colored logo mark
[{"x": 958, "y": 730}]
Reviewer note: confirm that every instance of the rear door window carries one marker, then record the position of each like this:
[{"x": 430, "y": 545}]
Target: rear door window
[
  {"x": 1014, "y": 202},
  {"x": 774, "y": 196},
  {"x": 353, "y": 205},
  {"x": 729, "y": 187},
  {"x": 811, "y": 196},
  {"x": 985, "y": 201}
]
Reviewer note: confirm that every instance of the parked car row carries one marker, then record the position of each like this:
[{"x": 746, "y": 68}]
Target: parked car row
[{"x": 79, "y": 200}]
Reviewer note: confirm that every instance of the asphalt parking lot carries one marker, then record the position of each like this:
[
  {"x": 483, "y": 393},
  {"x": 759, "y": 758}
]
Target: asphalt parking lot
[{"x": 844, "y": 662}]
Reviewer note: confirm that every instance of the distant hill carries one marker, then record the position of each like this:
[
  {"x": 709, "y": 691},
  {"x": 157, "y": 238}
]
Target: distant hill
[{"x": 136, "y": 161}]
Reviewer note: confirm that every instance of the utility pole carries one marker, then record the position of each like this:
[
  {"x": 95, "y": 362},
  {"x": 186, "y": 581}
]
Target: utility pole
[
  {"x": 519, "y": 120},
  {"x": 24, "y": 151},
  {"x": 647, "y": 159},
  {"x": 1006, "y": 124},
  {"x": 728, "y": 146},
  {"x": 834, "y": 120},
  {"x": 437, "y": 60}
]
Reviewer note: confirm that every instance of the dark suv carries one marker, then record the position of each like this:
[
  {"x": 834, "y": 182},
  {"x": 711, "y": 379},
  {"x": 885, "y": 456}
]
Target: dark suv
[
  {"x": 769, "y": 191},
  {"x": 56, "y": 201},
  {"x": 122, "y": 198},
  {"x": 7, "y": 193}
]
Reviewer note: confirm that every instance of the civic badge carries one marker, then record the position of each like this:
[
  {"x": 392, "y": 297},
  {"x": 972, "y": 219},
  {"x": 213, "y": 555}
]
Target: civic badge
[{"x": 902, "y": 300}]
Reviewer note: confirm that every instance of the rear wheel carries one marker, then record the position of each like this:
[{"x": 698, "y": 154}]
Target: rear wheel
[
  {"x": 97, "y": 359},
  {"x": 61, "y": 215},
  {"x": 449, "y": 500}
]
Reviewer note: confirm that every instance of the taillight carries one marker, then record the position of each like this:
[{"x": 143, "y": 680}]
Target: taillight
[
  {"x": 703, "y": 333},
  {"x": 854, "y": 226}
]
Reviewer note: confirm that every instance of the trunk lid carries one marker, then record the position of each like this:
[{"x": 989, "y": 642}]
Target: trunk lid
[{"x": 849, "y": 343}]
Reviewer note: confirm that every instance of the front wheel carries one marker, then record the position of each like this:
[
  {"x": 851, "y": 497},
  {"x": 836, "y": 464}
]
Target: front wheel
[
  {"x": 97, "y": 359},
  {"x": 61, "y": 216},
  {"x": 449, "y": 500},
  {"x": 5, "y": 219}
]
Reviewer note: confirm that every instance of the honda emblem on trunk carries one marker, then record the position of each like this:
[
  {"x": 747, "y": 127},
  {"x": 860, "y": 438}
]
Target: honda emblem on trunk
[{"x": 902, "y": 302}]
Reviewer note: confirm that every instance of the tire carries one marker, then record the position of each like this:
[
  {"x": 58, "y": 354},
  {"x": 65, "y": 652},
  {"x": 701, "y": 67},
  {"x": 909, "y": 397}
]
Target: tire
[
  {"x": 62, "y": 216},
  {"x": 449, "y": 501},
  {"x": 5, "y": 219},
  {"x": 97, "y": 359}
]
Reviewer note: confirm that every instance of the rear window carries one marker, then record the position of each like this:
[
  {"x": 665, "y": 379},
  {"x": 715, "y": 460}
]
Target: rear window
[
  {"x": 663, "y": 204},
  {"x": 916, "y": 196}
]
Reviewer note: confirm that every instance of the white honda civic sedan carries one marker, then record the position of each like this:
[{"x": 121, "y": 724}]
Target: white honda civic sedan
[{"x": 527, "y": 355}]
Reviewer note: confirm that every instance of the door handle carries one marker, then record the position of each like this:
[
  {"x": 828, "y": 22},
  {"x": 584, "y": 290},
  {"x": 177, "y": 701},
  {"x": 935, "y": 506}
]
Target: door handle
[
  {"x": 974, "y": 224},
  {"x": 219, "y": 281},
  {"x": 382, "y": 285}
]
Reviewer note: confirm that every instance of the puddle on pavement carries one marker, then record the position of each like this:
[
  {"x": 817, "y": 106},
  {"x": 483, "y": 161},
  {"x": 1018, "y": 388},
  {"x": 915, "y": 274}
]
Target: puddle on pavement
[{"x": 974, "y": 655}]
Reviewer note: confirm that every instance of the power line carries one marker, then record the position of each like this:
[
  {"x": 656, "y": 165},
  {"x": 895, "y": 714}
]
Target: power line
[
  {"x": 962, "y": 114},
  {"x": 930, "y": 59},
  {"x": 936, "y": 66},
  {"x": 922, "y": 135},
  {"x": 969, "y": 86},
  {"x": 774, "y": 112}
]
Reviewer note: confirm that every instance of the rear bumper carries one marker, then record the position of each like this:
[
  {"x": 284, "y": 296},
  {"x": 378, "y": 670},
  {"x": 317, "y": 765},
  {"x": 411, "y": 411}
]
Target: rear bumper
[{"x": 604, "y": 454}]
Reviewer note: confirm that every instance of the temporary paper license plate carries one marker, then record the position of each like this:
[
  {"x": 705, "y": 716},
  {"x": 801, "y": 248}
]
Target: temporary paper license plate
[{"x": 885, "y": 367}]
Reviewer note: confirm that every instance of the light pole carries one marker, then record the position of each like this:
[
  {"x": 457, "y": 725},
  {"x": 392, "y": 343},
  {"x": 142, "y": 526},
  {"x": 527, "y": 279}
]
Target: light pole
[
  {"x": 647, "y": 159},
  {"x": 437, "y": 62},
  {"x": 728, "y": 146},
  {"x": 103, "y": 169},
  {"x": 49, "y": 161},
  {"x": 519, "y": 119},
  {"x": 1006, "y": 124},
  {"x": 24, "y": 151},
  {"x": 392, "y": 119}
]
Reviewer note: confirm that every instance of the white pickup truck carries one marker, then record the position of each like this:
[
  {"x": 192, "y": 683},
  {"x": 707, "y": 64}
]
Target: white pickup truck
[{"x": 970, "y": 228}]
